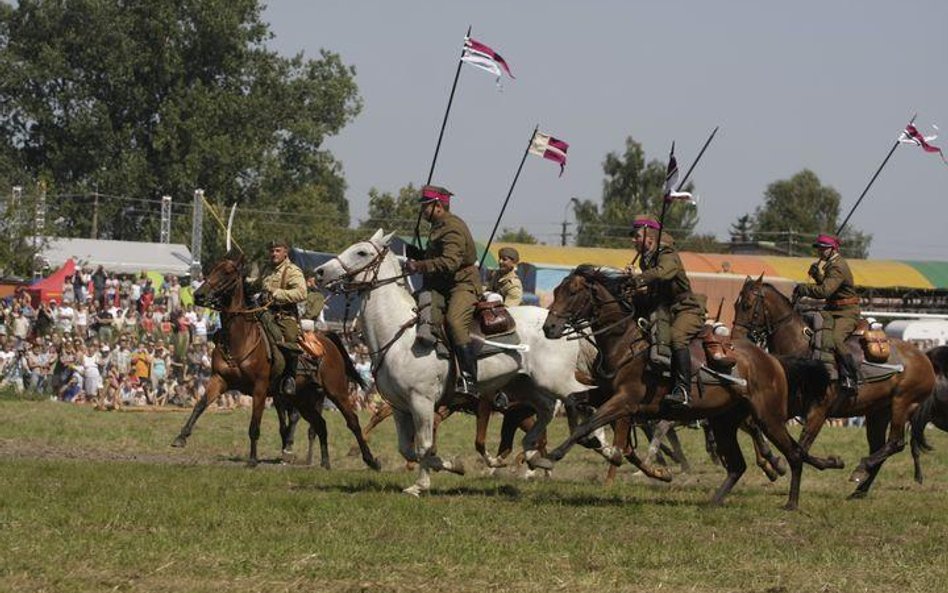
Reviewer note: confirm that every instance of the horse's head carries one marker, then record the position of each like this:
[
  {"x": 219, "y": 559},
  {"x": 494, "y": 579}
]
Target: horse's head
[
  {"x": 756, "y": 309},
  {"x": 358, "y": 263},
  {"x": 578, "y": 299},
  {"x": 221, "y": 283}
]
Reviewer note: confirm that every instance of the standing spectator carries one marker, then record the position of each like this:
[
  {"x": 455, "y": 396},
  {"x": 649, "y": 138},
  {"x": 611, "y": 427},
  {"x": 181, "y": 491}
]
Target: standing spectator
[
  {"x": 111, "y": 292},
  {"x": 160, "y": 362},
  {"x": 132, "y": 328},
  {"x": 141, "y": 366},
  {"x": 77, "y": 286},
  {"x": 20, "y": 327},
  {"x": 92, "y": 378},
  {"x": 147, "y": 324},
  {"x": 104, "y": 320},
  {"x": 174, "y": 294},
  {"x": 200, "y": 328},
  {"x": 45, "y": 320},
  {"x": 82, "y": 320},
  {"x": 66, "y": 318},
  {"x": 68, "y": 295},
  {"x": 135, "y": 293},
  {"x": 147, "y": 298},
  {"x": 36, "y": 362},
  {"x": 98, "y": 286},
  {"x": 122, "y": 357}
]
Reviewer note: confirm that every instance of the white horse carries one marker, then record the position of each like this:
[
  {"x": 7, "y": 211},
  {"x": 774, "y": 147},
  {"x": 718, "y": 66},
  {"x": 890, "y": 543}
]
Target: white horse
[{"x": 413, "y": 378}]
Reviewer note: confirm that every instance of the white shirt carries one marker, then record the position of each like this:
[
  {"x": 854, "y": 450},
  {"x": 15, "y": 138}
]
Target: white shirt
[{"x": 66, "y": 316}]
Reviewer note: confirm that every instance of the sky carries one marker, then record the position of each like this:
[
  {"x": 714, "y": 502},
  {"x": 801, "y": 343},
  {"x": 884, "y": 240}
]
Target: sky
[{"x": 808, "y": 84}]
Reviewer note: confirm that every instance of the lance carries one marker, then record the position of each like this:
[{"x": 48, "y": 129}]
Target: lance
[
  {"x": 661, "y": 218},
  {"x": 683, "y": 181},
  {"x": 507, "y": 199},
  {"x": 871, "y": 181},
  {"x": 444, "y": 123}
]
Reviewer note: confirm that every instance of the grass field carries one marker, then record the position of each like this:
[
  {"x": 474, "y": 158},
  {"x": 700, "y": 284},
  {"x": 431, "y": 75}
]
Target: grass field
[{"x": 98, "y": 501}]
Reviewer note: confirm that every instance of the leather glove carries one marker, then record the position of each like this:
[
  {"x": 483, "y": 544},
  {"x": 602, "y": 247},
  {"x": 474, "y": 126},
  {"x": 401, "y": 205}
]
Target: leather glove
[
  {"x": 797, "y": 293},
  {"x": 412, "y": 266},
  {"x": 815, "y": 272},
  {"x": 264, "y": 298}
]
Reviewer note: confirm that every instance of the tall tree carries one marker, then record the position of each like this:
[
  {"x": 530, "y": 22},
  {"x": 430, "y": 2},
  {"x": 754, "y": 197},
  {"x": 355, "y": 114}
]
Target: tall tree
[
  {"x": 630, "y": 187},
  {"x": 795, "y": 210},
  {"x": 150, "y": 97},
  {"x": 742, "y": 230},
  {"x": 393, "y": 213},
  {"x": 520, "y": 235}
]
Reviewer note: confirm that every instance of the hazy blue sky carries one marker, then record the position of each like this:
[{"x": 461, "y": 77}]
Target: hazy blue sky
[{"x": 817, "y": 84}]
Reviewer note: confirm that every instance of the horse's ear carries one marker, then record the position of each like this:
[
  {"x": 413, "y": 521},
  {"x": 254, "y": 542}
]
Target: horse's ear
[
  {"x": 377, "y": 237},
  {"x": 760, "y": 279},
  {"x": 387, "y": 239}
]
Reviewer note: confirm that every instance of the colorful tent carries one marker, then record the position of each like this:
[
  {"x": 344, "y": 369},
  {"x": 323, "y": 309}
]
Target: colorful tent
[{"x": 51, "y": 287}]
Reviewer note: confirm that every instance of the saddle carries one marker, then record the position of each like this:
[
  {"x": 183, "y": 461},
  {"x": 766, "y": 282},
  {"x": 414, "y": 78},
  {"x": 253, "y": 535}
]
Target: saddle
[
  {"x": 712, "y": 354},
  {"x": 493, "y": 322},
  {"x": 871, "y": 351}
]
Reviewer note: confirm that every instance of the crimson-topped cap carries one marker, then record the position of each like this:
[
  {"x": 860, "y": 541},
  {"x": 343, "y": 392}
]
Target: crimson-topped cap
[
  {"x": 826, "y": 241},
  {"x": 643, "y": 221},
  {"x": 434, "y": 193}
]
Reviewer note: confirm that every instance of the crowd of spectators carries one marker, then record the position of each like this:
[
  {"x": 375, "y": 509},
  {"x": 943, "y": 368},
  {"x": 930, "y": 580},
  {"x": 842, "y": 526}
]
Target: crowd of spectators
[
  {"x": 112, "y": 340},
  {"x": 121, "y": 340}
]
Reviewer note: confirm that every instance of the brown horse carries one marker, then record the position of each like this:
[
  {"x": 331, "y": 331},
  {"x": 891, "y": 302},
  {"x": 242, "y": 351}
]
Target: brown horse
[
  {"x": 241, "y": 362},
  {"x": 589, "y": 296},
  {"x": 934, "y": 409},
  {"x": 765, "y": 315}
]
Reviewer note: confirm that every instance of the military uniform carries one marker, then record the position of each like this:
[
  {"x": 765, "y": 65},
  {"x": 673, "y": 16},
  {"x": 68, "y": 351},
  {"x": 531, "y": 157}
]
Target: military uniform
[
  {"x": 663, "y": 274},
  {"x": 315, "y": 301},
  {"x": 449, "y": 266},
  {"x": 286, "y": 287},
  {"x": 508, "y": 286},
  {"x": 834, "y": 283}
]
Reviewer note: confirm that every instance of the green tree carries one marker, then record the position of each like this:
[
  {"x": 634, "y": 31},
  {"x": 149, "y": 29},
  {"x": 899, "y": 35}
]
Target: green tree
[
  {"x": 795, "y": 210},
  {"x": 394, "y": 213},
  {"x": 151, "y": 97},
  {"x": 742, "y": 230},
  {"x": 520, "y": 235},
  {"x": 630, "y": 187}
]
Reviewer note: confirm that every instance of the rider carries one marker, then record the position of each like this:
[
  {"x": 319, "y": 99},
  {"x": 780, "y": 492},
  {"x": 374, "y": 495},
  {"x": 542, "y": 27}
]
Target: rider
[
  {"x": 449, "y": 266},
  {"x": 663, "y": 274},
  {"x": 834, "y": 283},
  {"x": 504, "y": 281},
  {"x": 282, "y": 286}
]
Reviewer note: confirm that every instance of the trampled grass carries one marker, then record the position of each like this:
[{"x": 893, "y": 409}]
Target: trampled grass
[{"x": 93, "y": 501}]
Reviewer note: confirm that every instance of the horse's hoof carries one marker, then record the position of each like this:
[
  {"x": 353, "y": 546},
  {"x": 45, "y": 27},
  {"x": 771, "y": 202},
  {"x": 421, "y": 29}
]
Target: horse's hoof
[
  {"x": 556, "y": 455},
  {"x": 457, "y": 467},
  {"x": 287, "y": 457},
  {"x": 325, "y": 465},
  {"x": 790, "y": 506},
  {"x": 179, "y": 442},
  {"x": 494, "y": 462},
  {"x": 590, "y": 442},
  {"x": 613, "y": 455},
  {"x": 857, "y": 495},
  {"x": 413, "y": 490},
  {"x": 781, "y": 466},
  {"x": 836, "y": 462},
  {"x": 659, "y": 473},
  {"x": 252, "y": 463},
  {"x": 859, "y": 476},
  {"x": 374, "y": 464},
  {"x": 538, "y": 461}
]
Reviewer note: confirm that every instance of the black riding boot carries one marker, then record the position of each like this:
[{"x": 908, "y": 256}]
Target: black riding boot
[
  {"x": 288, "y": 384},
  {"x": 681, "y": 374},
  {"x": 467, "y": 378},
  {"x": 848, "y": 375}
]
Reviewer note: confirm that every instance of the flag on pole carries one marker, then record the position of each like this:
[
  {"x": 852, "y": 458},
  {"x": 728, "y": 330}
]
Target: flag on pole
[
  {"x": 911, "y": 135},
  {"x": 480, "y": 56},
  {"x": 671, "y": 180},
  {"x": 550, "y": 148}
]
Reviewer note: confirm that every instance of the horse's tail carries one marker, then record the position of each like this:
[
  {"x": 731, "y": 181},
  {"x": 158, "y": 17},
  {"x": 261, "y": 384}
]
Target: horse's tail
[
  {"x": 351, "y": 371},
  {"x": 920, "y": 420}
]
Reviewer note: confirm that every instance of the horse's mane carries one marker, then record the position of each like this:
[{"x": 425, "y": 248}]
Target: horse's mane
[{"x": 610, "y": 278}]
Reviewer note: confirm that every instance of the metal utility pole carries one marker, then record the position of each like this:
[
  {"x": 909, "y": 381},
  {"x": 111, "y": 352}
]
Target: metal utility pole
[
  {"x": 95, "y": 214},
  {"x": 564, "y": 235},
  {"x": 165, "y": 236},
  {"x": 197, "y": 236}
]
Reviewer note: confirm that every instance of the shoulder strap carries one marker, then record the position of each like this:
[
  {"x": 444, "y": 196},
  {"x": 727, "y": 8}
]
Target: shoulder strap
[{"x": 286, "y": 269}]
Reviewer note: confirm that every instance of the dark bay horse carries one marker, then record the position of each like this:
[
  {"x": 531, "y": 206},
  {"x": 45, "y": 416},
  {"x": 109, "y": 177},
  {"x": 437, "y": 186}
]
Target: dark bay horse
[
  {"x": 765, "y": 315},
  {"x": 589, "y": 296},
  {"x": 241, "y": 362},
  {"x": 934, "y": 409}
]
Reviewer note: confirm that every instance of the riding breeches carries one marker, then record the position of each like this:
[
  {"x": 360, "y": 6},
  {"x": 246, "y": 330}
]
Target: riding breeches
[
  {"x": 460, "y": 314},
  {"x": 842, "y": 324},
  {"x": 686, "y": 324}
]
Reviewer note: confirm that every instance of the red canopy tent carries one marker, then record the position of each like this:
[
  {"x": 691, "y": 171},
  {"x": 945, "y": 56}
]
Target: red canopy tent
[{"x": 51, "y": 287}]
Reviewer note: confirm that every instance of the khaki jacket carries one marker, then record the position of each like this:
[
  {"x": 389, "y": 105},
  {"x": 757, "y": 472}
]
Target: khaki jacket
[
  {"x": 835, "y": 284},
  {"x": 448, "y": 262},
  {"x": 508, "y": 286},
  {"x": 667, "y": 279},
  {"x": 285, "y": 282}
]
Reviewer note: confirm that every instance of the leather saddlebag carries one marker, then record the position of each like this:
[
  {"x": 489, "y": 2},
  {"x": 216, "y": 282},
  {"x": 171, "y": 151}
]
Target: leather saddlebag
[
  {"x": 494, "y": 318},
  {"x": 718, "y": 348},
  {"x": 875, "y": 345}
]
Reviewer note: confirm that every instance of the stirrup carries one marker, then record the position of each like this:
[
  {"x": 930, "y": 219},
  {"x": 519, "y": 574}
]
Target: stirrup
[
  {"x": 678, "y": 396},
  {"x": 466, "y": 386},
  {"x": 288, "y": 386}
]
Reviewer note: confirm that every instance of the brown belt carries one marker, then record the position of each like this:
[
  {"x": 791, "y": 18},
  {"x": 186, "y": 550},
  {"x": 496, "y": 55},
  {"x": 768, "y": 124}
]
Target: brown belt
[{"x": 843, "y": 302}]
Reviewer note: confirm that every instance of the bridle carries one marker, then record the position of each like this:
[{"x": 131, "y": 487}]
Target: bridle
[
  {"x": 214, "y": 298},
  {"x": 578, "y": 327},
  {"x": 347, "y": 284},
  {"x": 760, "y": 332}
]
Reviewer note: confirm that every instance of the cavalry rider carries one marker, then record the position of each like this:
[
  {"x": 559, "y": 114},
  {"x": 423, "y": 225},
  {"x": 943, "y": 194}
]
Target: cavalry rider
[
  {"x": 449, "y": 266},
  {"x": 504, "y": 281},
  {"x": 834, "y": 283},
  {"x": 282, "y": 286},
  {"x": 663, "y": 275}
]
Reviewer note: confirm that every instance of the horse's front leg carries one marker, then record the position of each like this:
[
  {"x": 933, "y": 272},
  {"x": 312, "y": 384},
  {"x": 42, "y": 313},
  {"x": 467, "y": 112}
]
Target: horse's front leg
[
  {"x": 620, "y": 405},
  {"x": 215, "y": 387},
  {"x": 259, "y": 402},
  {"x": 484, "y": 411}
]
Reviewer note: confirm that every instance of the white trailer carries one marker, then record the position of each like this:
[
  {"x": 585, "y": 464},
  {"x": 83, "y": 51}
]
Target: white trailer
[{"x": 924, "y": 333}]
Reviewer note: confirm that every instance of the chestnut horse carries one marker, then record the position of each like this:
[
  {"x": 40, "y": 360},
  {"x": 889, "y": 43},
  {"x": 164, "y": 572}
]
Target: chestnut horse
[
  {"x": 590, "y": 297},
  {"x": 766, "y": 316},
  {"x": 241, "y": 362}
]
